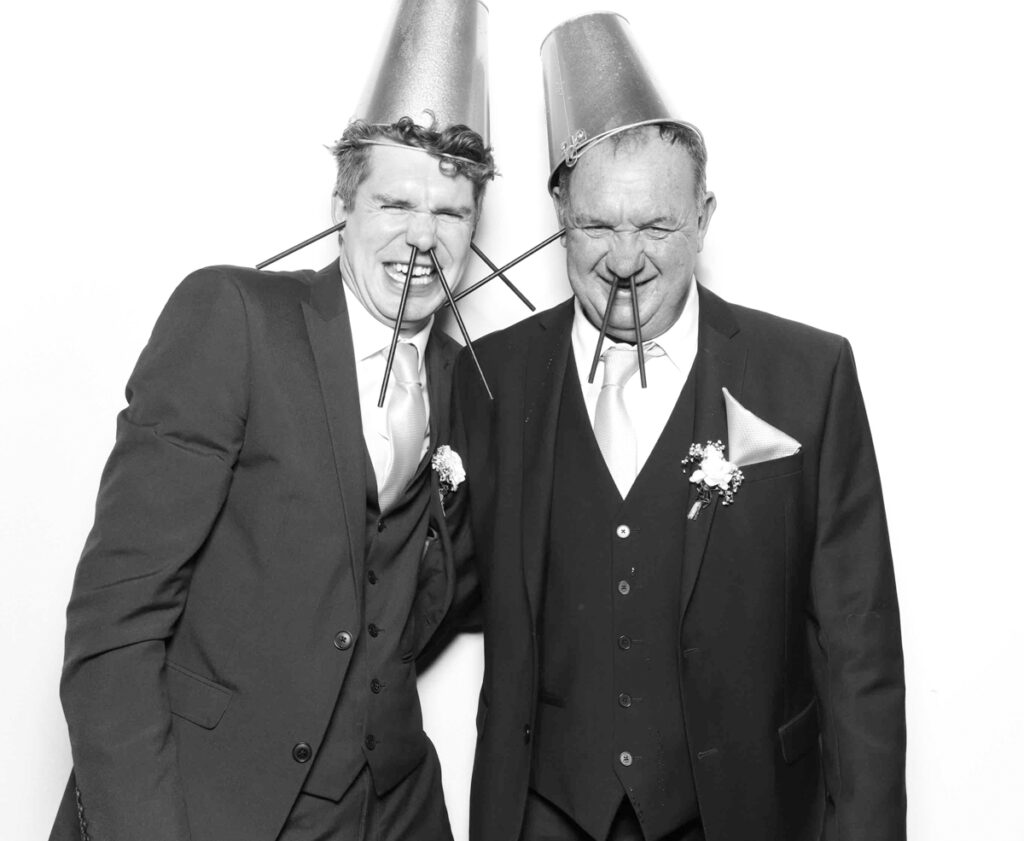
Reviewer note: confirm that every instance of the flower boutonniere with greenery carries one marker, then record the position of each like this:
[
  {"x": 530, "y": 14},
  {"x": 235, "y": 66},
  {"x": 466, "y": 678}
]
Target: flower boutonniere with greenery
[
  {"x": 450, "y": 473},
  {"x": 712, "y": 473}
]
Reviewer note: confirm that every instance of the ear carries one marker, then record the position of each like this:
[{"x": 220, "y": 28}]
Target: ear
[
  {"x": 704, "y": 221},
  {"x": 556, "y": 194},
  {"x": 338, "y": 212}
]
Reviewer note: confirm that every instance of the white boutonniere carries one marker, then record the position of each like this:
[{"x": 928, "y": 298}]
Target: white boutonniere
[
  {"x": 450, "y": 473},
  {"x": 712, "y": 474}
]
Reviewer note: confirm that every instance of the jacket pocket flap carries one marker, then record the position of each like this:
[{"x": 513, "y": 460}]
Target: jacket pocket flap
[
  {"x": 196, "y": 698},
  {"x": 800, "y": 733}
]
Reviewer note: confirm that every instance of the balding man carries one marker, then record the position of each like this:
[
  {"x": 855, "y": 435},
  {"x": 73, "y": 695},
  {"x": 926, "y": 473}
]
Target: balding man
[{"x": 688, "y": 599}]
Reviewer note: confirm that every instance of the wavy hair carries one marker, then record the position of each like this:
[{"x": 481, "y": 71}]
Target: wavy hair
[{"x": 458, "y": 149}]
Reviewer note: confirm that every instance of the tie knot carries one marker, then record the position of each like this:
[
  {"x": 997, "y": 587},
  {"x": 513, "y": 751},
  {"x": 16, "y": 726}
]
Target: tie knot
[
  {"x": 406, "y": 364},
  {"x": 620, "y": 363}
]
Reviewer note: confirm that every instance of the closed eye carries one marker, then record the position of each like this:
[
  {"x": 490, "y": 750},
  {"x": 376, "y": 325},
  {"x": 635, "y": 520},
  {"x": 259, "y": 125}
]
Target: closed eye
[
  {"x": 454, "y": 214},
  {"x": 656, "y": 231}
]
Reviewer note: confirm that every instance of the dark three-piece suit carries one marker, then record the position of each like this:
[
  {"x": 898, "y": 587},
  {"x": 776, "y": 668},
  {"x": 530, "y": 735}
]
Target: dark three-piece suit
[
  {"x": 736, "y": 677},
  {"x": 244, "y": 622}
]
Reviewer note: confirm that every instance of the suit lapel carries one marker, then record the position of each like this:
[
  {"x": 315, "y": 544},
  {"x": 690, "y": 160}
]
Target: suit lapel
[
  {"x": 720, "y": 362},
  {"x": 330, "y": 337},
  {"x": 439, "y": 390},
  {"x": 546, "y": 365}
]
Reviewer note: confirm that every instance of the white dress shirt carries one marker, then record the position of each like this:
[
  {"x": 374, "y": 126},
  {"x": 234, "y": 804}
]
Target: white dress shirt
[
  {"x": 649, "y": 408},
  {"x": 371, "y": 340}
]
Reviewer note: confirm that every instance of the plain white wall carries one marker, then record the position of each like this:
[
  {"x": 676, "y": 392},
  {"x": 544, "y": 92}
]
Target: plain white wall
[{"x": 867, "y": 163}]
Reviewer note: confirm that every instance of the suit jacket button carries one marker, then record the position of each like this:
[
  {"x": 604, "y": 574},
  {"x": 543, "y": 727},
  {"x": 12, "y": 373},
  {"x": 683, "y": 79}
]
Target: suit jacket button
[
  {"x": 343, "y": 641},
  {"x": 302, "y": 752},
  {"x": 527, "y": 732},
  {"x": 370, "y": 742}
]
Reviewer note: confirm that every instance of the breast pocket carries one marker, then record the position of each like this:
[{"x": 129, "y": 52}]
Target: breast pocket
[
  {"x": 756, "y": 536},
  {"x": 196, "y": 698},
  {"x": 774, "y": 469}
]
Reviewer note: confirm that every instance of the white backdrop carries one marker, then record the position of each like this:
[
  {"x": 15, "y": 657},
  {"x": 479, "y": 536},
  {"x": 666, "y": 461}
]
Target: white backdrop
[{"x": 867, "y": 162}]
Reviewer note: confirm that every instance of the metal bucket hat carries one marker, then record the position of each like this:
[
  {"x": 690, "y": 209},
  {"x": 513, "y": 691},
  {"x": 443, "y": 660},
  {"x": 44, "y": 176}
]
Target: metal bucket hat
[
  {"x": 596, "y": 84},
  {"x": 433, "y": 61}
]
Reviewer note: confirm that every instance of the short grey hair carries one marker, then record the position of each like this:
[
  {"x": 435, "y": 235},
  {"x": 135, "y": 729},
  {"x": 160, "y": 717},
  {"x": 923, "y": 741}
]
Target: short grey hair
[{"x": 673, "y": 134}]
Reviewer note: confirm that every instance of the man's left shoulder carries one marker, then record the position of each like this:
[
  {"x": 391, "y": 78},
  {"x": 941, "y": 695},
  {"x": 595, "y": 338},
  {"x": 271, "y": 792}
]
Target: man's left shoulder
[
  {"x": 766, "y": 330},
  {"x": 784, "y": 334}
]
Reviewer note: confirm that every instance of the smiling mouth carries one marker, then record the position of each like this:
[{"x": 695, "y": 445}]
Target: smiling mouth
[{"x": 421, "y": 275}]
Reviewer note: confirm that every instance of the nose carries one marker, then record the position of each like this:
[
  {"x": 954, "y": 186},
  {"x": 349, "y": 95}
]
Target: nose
[
  {"x": 625, "y": 256},
  {"x": 422, "y": 231}
]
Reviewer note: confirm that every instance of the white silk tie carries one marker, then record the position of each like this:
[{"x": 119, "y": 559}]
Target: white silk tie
[
  {"x": 613, "y": 427},
  {"x": 407, "y": 424}
]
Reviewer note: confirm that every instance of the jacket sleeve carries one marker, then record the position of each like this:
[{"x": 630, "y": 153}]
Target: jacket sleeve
[
  {"x": 855, "y": 629},
  {"x": 160, "y": 494}
]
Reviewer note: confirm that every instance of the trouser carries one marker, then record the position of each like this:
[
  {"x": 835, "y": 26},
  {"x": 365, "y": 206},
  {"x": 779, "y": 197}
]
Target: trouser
[
  {"x": 413, "y": 810},
  {"x": 544, "y": 821}
]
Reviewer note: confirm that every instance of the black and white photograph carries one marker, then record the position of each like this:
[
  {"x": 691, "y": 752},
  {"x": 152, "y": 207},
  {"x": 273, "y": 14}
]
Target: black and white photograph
[{"x": 444, "y": 420}]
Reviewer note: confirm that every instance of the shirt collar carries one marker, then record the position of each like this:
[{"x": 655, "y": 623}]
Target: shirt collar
[
  {"x": 678, "y": 342},
  {"x": 370, "y": 336}
]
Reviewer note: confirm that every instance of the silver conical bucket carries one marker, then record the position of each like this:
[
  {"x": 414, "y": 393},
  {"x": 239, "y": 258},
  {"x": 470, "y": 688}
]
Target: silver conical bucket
[
  {"x": 596, "y": 84},
  {"x": 433, "y": 59}
]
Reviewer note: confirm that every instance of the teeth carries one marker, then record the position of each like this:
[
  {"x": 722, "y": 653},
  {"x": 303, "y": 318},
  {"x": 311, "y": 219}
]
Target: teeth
[{"x": 421, "y": 275}]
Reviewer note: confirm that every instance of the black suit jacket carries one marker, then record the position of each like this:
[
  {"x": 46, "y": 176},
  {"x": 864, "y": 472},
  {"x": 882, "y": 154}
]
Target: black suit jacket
[
  {"x": 205, "y": 641},
  {"x": 789, "y": 646}
]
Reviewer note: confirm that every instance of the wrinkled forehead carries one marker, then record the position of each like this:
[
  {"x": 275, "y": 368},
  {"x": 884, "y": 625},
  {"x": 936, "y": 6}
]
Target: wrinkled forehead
[
  {"x": 400, "y": 164},
  {"x": 638, "y": 173}
]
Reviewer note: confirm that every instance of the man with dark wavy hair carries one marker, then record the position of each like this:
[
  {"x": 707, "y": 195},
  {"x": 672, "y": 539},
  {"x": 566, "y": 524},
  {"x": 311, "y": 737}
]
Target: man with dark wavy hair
[{"x": 270, "y": 553}]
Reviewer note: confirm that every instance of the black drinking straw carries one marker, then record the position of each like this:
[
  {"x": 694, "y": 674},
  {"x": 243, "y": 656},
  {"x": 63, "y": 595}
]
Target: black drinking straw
[
  {"x": 458, "y": 318},
  {"x": 398, "y": 325},
  {"x": 302, "y": 244},
  {"x": 604, "y": 329},
  {"x": 636, "y": 325},
  {"x": 508, "y": 283},
  {"x": 509, "y": 265}
]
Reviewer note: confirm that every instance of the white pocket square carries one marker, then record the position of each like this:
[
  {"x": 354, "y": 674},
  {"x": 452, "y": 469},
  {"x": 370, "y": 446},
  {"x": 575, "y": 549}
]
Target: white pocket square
[{"x": 752, "y": 440}]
